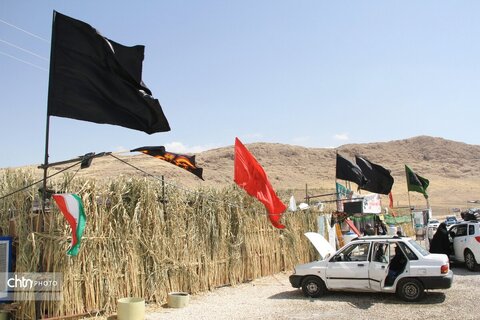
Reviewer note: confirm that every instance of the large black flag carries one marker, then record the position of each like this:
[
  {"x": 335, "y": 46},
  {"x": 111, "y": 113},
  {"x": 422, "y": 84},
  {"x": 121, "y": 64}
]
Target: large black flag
[
  {"x": 347, "y": 170},
  {"x": 180, "y": 160},
  {"x": 379, "y": 179},
  {"x": 96, "y": 79}
]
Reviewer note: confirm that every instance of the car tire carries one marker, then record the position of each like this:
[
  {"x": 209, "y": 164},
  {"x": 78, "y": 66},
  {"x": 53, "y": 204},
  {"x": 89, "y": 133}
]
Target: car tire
[
  {"x": 410, "y": 290},
  {"x": 313, "y": 287},
  {"x": 470, "y": 261}
]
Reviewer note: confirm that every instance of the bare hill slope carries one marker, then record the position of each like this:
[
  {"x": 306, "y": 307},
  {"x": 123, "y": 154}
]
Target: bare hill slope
[{"x": 453, "y": 168}]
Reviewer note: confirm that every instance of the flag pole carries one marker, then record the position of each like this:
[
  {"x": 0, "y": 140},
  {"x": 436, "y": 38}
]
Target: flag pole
[
  {"x": 45, "y": 169},
  {"x": 41, "y": 225},
  {"x": 409, "y": 205},
  {"x": 40, "y": 268},
  {"x": 47, "y": 129},
  {"x": 411, "y": 212},
  {"x": 306, "y": 194}
]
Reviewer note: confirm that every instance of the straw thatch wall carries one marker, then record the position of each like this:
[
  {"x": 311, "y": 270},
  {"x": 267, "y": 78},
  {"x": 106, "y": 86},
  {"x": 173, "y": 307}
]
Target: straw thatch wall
[{"x": 137, "y": 245}]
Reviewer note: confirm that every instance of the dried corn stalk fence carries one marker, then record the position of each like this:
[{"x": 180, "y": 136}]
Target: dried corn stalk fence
[{"x": 138, "y": 244}]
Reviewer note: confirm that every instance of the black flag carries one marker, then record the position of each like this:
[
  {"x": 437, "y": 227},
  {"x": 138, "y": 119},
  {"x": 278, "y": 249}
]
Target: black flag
[
  {"x": 180, "y": 160},
  {"x": 347, "y": 170},
  {"x": 379, "y": 179},
  {"x": 96, "y": 79}
]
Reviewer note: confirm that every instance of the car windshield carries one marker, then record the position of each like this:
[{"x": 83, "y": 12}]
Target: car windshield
[
  {"x": 433, "y": 221},
  {"x": 419, "y": 248}
]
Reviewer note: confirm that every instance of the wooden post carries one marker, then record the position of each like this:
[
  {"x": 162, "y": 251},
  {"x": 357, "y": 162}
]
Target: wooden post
[
  {"x": 306, "y": 194},
  {"x": 409, "y": 205}
]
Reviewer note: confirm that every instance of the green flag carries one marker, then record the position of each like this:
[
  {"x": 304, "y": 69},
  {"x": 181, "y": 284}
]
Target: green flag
[
  {"x": 416, "y": 183},
  {"x": 342, "y": 192}
]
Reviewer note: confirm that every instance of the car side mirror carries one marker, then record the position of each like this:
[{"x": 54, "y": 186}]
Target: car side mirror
[
  {"x": 452, "y": 234},
  {"x": 337, "y": 258}
]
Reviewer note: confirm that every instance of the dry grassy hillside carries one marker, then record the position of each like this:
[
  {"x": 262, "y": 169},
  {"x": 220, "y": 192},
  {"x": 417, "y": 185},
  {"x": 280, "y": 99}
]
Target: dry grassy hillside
[{"x": 453, "y": 168}]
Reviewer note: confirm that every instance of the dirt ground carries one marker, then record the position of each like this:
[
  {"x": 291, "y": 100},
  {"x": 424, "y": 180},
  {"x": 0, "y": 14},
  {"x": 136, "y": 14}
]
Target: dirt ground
[{"x": 274, "y": 298}]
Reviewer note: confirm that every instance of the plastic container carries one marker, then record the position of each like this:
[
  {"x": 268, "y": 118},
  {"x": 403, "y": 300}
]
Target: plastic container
[
  {"x": 178, "y": 299},
  {"x": 131, "y": 309},
  {"x": 4, "y": 315},
  {"x": 392, "y": 230}
]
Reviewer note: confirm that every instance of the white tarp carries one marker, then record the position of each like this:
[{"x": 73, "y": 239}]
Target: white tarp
[
  {"x": 372, "y": 203},
  {"x": 293, "y": 204}
]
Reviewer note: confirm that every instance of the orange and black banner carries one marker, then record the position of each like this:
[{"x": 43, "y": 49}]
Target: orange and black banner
[{"x": 180, "y": 160}]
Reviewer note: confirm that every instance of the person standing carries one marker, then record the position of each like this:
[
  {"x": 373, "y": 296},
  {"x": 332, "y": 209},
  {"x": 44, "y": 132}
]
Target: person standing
[{"x": 440, "y": 242}]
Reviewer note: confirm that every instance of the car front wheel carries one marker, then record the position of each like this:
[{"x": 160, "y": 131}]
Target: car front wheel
[
  {"x": 470, "y": 261},
  {"x": 410, "y": 290},
  {"x": 313, "y": 287}
]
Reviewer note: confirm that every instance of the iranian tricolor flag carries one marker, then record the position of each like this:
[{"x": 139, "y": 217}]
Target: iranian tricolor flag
[{"x": 72, "y": 208}]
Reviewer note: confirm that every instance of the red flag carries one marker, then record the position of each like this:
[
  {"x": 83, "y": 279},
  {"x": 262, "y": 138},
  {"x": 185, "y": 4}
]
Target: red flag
[
  {"x": 250, "y": 176},
  {"x": 390, "y": 196}
]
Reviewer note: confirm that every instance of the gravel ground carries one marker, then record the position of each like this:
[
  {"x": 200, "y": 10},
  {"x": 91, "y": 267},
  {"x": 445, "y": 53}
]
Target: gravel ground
[{"x": 274, "y": 298}]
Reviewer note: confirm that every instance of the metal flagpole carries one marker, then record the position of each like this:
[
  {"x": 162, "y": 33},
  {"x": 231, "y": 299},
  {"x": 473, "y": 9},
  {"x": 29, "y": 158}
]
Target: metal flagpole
[
  {"x": 45, "y": 168},
  {"x": 411, "y": 212},
  {"x": 409, "y": 203},
  {"x": 38, "y": 313},
  {"x": 41, "y": 218},
  {"x": 40, "y": 268},
  {"x": 47, "y": 131}
]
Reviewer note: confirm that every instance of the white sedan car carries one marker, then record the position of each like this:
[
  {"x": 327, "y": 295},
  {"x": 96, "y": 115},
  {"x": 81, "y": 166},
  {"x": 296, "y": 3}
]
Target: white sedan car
[
  {"x": 465, "y": 239},
  {"x": 373, "y": 264}
]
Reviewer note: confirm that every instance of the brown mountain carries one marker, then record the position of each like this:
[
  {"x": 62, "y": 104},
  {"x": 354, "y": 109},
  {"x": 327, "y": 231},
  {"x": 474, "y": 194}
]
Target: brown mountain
[{"x": 453, "y": 169}]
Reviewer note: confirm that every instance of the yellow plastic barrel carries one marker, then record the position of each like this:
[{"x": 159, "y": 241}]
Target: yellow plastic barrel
[
  {"x": 4, "y": 315},
  {"x": 131, "y": 309}
]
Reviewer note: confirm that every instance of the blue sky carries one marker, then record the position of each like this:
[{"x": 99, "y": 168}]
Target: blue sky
[{"x": 310, "y": 73}]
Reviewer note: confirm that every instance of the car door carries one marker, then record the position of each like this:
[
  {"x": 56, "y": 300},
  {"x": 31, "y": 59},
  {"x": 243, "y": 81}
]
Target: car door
[
  {"x": 349, "y": 268},
  {"x": 378, "y": 268},
  {"x": 470, "y": 241},
  {"x": 459, "y": 241}
]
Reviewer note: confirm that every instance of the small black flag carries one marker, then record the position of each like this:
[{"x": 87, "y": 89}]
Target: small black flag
[{"x": 180, "y": 160}]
